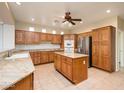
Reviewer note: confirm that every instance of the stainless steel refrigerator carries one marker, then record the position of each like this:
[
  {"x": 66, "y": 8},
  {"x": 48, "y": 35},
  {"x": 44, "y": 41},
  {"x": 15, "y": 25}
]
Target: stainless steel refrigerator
[{"x": 85, "y": 47}]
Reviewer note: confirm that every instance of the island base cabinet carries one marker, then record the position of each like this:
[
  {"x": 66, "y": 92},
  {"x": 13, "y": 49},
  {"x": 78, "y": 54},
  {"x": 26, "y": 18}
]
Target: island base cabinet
[
  {"x": 74, "y": 69},
  {"x": 80, "y": 71},
  {"x": 24, "y": 84}
]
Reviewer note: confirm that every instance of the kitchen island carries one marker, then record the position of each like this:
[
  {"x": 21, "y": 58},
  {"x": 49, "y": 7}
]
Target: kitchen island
[
  {"x": 73, "y": 66},
  {"x": 16, "y": 72}
]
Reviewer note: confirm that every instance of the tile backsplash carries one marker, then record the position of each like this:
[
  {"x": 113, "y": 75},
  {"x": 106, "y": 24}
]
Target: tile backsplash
[{"x": 38, "y": 46}]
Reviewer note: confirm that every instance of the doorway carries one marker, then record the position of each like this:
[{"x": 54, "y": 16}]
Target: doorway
[{"x": 120, "y": 50}]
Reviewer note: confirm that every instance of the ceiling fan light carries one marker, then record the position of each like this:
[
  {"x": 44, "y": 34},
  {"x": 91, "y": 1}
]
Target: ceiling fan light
[
  {"x": 70, "y": 25},
  {"x": 81, "y": 22},
  {"x": 18, "y": 3}
]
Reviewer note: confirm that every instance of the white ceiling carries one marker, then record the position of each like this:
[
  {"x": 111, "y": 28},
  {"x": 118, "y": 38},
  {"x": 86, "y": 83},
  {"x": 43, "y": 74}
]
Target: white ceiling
[{"x": 46, "y": 13}]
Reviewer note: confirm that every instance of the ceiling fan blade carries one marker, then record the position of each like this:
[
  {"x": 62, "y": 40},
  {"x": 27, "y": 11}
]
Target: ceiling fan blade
[
  {"x": 63, "y": 21},
  {"x": 76, "y": 19},
  {"x": 72, "y": 22}
]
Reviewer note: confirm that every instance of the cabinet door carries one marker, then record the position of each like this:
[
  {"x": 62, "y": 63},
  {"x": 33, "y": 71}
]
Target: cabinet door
[
  {"x": 44, "y": 57},
  {"x": 105, "y": 55},
  {"x": 28, "y": 37},
  {"x": 1, "y": 38},
  {"x": 95, "y": 48},
  {"x": 19, "y": 37},
  {"x": 56, "y": 39},
  {"x": 64, "y": 68},
  {"x": 59, "y": 62},
  {"x": 49, "y": 37},
  {"x": 36, "y": 37},
  {"x": 8, "y": 37},
  {"x": 43, "y": 37},
  {"x": 51, "y": 56},
  {"x": 69, "y": 71}
]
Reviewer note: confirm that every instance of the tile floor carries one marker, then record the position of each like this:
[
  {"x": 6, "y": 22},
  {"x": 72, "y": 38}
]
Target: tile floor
[{"x": 47, "y": 78}]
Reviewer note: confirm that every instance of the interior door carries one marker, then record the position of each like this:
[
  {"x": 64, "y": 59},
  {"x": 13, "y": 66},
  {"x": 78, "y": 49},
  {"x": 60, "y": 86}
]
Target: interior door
[{"x": 1, "y": 38}]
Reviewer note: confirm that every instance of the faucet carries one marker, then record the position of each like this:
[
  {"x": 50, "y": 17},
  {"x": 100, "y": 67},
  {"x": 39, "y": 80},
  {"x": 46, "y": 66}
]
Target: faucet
[{"x": 9, "y": 53}]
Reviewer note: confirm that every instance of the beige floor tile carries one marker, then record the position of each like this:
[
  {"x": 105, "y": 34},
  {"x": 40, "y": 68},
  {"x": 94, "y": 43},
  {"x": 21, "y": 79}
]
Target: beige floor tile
[{"x": 47, "y": 78}]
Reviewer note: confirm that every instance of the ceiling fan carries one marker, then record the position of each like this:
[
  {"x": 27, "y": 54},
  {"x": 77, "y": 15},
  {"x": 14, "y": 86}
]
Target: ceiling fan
[{"x": 69, "y": 19}]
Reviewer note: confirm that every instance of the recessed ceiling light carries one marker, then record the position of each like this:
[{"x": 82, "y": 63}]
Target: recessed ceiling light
[
  {"x": 108, "y": 11},
  {"x": 81, "y": 22},
  {"x": 54, "y": 32},
  {"x": 32, "y": 19},
  {"x": 18, "y": 3},
  {"x": 62, "y": 33},
  {"x": 44, "y": 30},
  {"x": 31, "y": 29}
]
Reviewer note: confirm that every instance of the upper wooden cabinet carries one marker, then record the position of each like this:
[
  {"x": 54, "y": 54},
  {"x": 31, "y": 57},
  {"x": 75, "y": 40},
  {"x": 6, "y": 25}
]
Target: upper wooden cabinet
[
  {"x": 31, "y": 37},
  {"x": 49, "y": 37},
  {"x": 27, "y": 37},
  {"x": 43, "y": 36},
  {"x": 69, "y": 37},
  {"x": 56, "y": 39},
  {"x": 20, "y": 37},
  {"x": 103, "y": 48}
]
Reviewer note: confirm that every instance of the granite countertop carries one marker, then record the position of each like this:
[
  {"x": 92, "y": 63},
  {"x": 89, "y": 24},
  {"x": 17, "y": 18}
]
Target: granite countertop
[
  {"x": 72, "y": 55},
  {"x": 14, "y": 70},
  {"x": 33, "y": 50}
]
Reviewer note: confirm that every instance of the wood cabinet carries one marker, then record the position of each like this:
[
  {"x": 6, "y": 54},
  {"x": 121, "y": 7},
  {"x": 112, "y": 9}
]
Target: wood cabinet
[
  {"x": 62, "y": 41},
  {"x": 24, "y": 84},
  {"x": 103, "y": 48},
  {"x": 27, "y": 37},
  {"x": 67, "y": 67},
  {"x": 56, "y": 39},
  {"x": 20, "y": 37},
  {"x": 50, "y": 56},
  {"x": 44, "y": 57},
  {"x": 71, "y": 37},
  {"x": 75, "y": 69},
  {"x": 40, "y": 57},
  {"x": 49, "y": 37},
  {"x": 57, "y": 62},
  {"x": 43, "y": 36},
  {"x": 31, "y": 37}
]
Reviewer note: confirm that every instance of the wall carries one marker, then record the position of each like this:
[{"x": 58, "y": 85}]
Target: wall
[
  {"x": 38, "y": 28},
  {"x": 6, "y": 17},
  {"x": 6, "y": 14}
]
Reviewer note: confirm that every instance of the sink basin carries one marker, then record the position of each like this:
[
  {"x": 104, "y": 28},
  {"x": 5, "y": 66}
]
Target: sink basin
[{"x": 16, "y": 56}]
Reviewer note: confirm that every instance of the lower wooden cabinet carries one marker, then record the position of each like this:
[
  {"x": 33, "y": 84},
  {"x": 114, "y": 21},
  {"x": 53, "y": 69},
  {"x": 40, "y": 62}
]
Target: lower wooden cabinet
[
  {"x": 57, "y": 62},
  {"x": 50, "y": 56},
  {"x": 73, "y": 69},
  {"x": 24, "y": 84},
  {"x": 39, "y": 57}
]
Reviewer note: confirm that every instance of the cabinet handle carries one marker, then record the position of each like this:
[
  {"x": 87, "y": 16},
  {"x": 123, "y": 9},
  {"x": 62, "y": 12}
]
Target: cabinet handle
[{"x": 84, "y": 62}]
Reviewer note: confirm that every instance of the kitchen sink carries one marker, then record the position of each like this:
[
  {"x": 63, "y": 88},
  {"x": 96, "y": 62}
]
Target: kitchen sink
[{"x": 16, "y": 56}]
